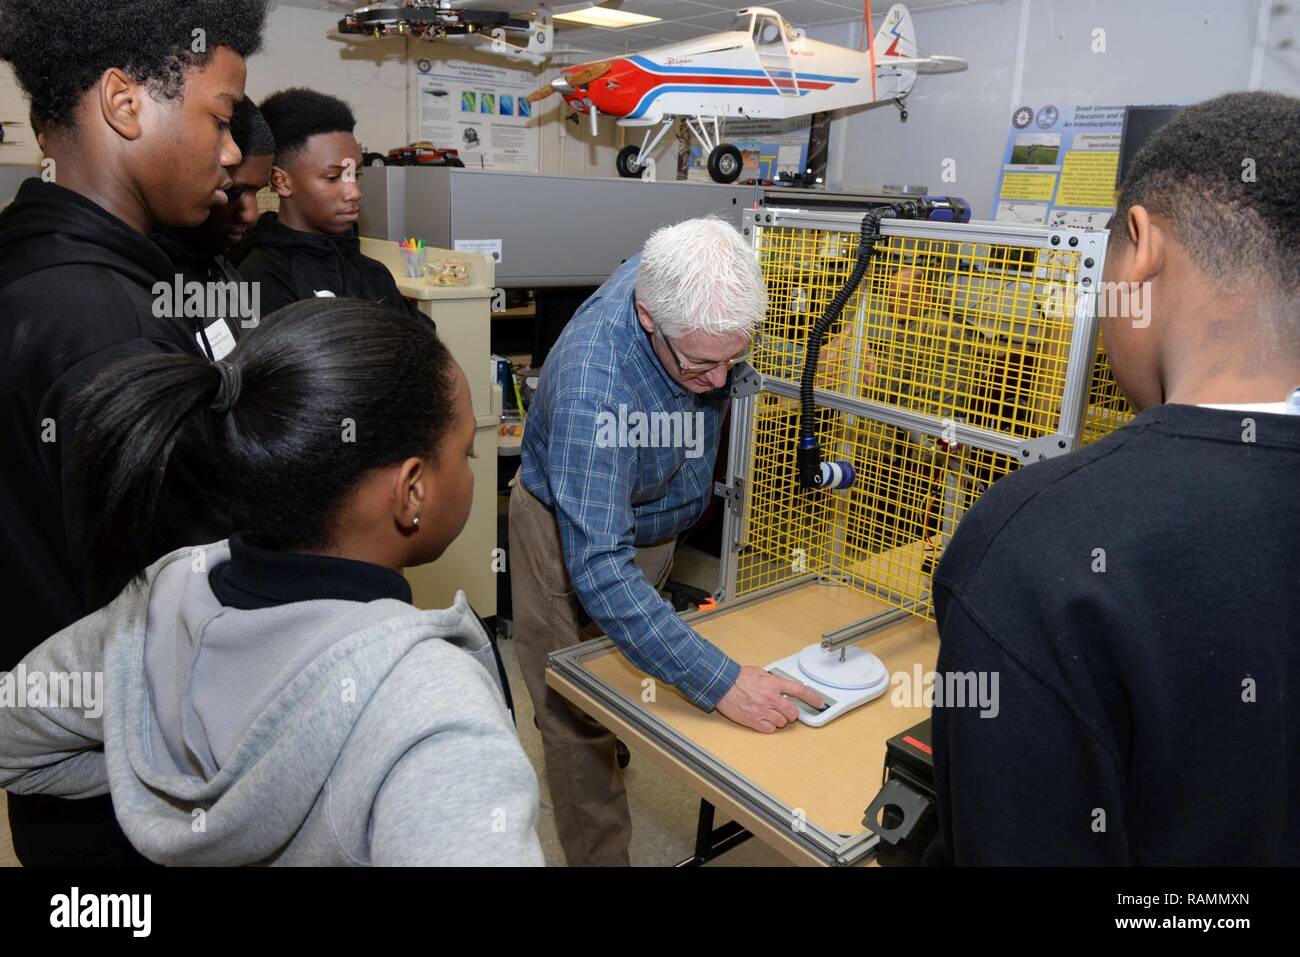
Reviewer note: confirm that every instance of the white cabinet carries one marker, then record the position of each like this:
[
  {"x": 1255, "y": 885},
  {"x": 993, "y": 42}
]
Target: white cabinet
[{"x": 463, "y": 315}]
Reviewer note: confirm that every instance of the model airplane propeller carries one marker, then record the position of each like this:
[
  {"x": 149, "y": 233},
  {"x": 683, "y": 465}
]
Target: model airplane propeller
[
  {"x": 569, "y": 81},
  {"x": 761, "y": 68}
]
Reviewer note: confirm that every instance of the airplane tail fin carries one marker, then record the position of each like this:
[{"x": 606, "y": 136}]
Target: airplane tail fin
[{"x": 896, "y": 39}]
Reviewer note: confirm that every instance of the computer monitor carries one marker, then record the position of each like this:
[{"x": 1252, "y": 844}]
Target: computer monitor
[{"x": 1139, "y": 123}]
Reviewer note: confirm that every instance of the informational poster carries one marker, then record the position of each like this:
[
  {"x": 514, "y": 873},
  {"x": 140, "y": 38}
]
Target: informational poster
[
  {"x": 768, "y": 147},
  {"x": 481, "y": 110},
  {"x": 1059, "y": 166}
]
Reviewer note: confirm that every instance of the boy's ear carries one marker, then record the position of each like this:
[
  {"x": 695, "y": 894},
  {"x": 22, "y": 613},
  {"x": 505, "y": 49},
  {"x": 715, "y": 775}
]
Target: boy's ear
[
  {"x": 119, "y": 103},
  {"x": 1145, "y": 246},
  {"x": 281, "y": 181}
]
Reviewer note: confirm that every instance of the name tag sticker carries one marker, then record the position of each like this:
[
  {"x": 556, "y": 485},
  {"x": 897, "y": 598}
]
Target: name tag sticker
[{"x": 220, "y": 338}]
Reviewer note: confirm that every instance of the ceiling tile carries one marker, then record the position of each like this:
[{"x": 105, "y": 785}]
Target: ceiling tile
[
  {"x": 566, "y": 32},
  {"x": 935, "y": 4},
  {"x": 664, "y": 9},
  {"x": 660, "y": 33},
  {"x": 806, "y": 12},
  {"x": 714, "y": 21}
]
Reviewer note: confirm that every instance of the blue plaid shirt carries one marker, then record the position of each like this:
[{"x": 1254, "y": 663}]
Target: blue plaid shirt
[{"x": 611, "y": 489}]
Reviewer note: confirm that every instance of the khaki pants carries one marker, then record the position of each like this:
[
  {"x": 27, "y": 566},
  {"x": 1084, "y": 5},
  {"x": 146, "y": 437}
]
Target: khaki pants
[{"x": 581, "y": 767}]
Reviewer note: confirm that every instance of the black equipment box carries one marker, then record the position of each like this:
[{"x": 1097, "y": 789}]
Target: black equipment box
[{"x": 903, "y": 814}]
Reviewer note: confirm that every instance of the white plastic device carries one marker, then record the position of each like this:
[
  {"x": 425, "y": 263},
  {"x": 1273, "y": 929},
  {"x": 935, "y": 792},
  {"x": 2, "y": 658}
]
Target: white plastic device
[{"x": 846, "y": 678}]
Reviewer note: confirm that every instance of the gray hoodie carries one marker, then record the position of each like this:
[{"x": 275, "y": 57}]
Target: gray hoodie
[{"x": 319, "y": 732}]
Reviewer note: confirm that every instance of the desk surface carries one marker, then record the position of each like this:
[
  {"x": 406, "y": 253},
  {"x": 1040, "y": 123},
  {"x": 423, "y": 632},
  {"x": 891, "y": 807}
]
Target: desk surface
[{"x": 832, "y": 772}]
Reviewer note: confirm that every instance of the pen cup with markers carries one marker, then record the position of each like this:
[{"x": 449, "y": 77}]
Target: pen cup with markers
[{"x": 413, "y": 257}]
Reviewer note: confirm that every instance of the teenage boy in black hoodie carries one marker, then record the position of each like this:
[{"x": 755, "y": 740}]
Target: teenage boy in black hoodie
[
  {"x": 1139, "y": 600},
  {"x": 199, "y": 254},
  {"x": 134, "y": 123},
  {"x": 311, "y": 248}
]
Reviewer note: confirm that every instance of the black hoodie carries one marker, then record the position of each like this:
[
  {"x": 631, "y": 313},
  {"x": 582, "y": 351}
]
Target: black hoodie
[
  {"x": 293, "y": 265},
  {"x": 76, "y": 295},
  {"x": 195, "y": 266}
]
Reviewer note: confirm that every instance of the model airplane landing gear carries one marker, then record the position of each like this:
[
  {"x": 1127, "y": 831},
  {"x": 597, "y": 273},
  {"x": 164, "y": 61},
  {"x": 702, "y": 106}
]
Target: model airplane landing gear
[
  {"x": 725, "y": 163},
  {"x": 902, "y": 109},
  {"x": 629, "y": 162},
  {"x": 626, "y": 162}
]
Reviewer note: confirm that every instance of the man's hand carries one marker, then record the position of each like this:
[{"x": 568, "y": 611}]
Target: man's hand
[{"x": 757, "y": 700}]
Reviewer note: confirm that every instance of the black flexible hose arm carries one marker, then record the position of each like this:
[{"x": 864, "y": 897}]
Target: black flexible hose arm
[{"x": 808, "y": 457}]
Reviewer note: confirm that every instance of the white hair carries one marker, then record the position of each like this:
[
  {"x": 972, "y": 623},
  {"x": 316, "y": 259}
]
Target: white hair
[{"x": 701, "y": 276}]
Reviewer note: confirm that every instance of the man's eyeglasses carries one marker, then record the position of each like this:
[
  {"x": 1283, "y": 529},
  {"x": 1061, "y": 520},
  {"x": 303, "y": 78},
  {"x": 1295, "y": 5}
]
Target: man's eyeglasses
[{"x": 694, "y": 372}]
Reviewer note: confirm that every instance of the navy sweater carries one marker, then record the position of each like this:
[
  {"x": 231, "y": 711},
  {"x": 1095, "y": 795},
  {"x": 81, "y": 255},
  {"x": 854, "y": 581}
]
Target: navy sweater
[{"x": 1139, "y": 601}]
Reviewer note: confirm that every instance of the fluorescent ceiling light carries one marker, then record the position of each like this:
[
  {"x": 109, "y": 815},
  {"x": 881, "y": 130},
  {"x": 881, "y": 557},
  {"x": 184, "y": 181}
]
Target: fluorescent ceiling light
[{"x": 605, "y": 17}]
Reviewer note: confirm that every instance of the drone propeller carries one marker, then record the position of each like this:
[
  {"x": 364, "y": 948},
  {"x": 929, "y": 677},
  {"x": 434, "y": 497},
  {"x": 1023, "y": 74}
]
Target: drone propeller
[{"x": 580, "y": 76}]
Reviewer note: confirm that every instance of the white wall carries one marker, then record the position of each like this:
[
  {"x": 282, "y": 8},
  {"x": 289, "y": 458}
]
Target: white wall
[
  {"x": 372, "y": 77},
  {"x": 1040, "y": 51},
  {"x": 568, "y": 149}
]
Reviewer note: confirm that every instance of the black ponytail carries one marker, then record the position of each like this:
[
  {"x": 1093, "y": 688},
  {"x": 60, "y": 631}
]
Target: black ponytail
[{"x": 319, "y": 394}]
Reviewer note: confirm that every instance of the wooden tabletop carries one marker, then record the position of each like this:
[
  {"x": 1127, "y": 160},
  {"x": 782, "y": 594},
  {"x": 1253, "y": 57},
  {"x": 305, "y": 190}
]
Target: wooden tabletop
[{"x": 829, "y": 773}]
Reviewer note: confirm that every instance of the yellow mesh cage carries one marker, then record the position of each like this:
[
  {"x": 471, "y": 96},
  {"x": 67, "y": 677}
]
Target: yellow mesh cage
[
  {"x": 950, "y": 329},
  {"x": 1107, "y": 408},
  {"x": 971, "y": 332},
  {"x": 883, "y": 535}
]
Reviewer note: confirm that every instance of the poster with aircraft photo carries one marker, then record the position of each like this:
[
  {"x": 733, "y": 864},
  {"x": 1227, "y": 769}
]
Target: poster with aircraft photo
[{"x": 1059, "y": 165}]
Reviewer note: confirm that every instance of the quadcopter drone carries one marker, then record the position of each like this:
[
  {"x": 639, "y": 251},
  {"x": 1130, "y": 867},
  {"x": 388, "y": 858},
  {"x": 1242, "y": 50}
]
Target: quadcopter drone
[{"x": 483, "y": 23}]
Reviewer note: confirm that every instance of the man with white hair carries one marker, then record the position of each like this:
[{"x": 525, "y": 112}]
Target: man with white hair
[{"x": 618, "y": 461}]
